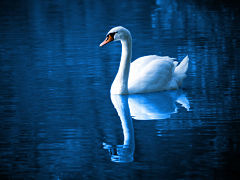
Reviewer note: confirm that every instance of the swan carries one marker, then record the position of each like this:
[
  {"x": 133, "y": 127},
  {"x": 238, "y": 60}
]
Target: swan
[{"x": 146, "y": 74}]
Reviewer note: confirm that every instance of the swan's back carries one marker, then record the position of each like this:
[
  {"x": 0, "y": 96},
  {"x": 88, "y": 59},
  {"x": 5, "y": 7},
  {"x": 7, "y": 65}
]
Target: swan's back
[
  {"x": 145, "y": 60},
  {"x": 154, "y": 73}
]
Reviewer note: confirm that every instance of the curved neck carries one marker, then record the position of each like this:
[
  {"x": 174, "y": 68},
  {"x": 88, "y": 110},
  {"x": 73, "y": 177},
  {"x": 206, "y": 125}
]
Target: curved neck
[{"x": 124, "y": 67}]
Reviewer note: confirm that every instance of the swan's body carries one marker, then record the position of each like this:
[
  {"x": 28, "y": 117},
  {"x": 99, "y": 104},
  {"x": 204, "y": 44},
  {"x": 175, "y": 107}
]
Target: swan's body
[{"x": 145, "y": 74}]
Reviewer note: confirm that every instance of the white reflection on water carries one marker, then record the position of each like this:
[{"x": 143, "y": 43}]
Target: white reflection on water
[
  {"x": 155, "y": 106},
  {"x": 123, "y": 153},
  {"x": 150, "y": 106}
]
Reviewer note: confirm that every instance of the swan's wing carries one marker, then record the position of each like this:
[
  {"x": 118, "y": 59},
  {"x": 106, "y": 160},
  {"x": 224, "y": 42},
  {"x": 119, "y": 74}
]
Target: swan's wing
[{"x": 150, "y": 73}]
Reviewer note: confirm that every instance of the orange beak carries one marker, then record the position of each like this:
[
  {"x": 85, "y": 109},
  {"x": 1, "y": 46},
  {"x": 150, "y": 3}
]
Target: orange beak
[{"x": 108, "y": 39}]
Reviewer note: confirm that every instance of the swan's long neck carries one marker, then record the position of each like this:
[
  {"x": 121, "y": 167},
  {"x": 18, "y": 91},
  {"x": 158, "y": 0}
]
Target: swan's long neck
[{"x": 121, "y": 80}]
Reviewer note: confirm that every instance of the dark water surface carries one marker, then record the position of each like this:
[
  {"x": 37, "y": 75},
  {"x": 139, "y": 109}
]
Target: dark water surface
[{"x": 58, "y": 121}]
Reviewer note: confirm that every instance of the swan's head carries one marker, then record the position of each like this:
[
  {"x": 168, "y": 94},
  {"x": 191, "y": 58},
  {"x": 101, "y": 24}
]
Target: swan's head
[{"x": 116, "y": 34}]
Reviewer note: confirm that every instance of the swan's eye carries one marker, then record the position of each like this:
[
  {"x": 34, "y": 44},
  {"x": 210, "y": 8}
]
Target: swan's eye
[{"x": 111, "y": 34}]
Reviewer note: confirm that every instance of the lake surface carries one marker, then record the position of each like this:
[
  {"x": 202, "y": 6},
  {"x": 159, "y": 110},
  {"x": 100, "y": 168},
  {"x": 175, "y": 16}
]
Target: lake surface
[{"x": 58, "y": 121}]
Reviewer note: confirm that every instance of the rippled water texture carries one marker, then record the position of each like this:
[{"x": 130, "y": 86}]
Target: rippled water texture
[{"x": 58, "y": 121}]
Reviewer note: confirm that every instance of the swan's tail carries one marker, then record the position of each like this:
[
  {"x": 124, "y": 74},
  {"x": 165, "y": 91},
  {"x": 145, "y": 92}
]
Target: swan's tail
[
  {"x": 183, "y": 66},
  {"x": 180, "y": 70}
]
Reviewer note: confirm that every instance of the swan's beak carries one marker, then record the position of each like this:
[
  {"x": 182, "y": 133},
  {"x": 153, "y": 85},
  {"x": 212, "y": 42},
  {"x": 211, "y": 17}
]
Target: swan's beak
[{"x": 108, "y": 39}]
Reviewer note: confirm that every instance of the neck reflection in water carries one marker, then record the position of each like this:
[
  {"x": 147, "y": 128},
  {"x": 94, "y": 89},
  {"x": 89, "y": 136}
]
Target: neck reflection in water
[
  {"x": 123, "y": 153},
  {"x": 151, "y": 106}
]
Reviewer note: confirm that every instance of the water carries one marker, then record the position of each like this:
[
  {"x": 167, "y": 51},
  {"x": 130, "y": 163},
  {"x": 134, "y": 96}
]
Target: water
[{"x": 57, "y": 117}]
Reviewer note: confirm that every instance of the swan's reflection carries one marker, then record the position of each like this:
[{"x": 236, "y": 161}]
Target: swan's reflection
[
  {"x": 151, "y": 106},
  {"x": 123, "y": 153},
  {"x": 156, "y": 105}
]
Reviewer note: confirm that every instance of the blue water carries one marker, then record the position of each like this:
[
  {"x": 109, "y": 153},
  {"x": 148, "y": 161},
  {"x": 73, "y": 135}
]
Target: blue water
[{"x": 58, "y": 121}]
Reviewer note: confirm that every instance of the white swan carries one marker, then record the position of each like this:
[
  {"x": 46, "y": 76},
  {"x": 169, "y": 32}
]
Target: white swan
[{"x": 145, "y": 74}]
